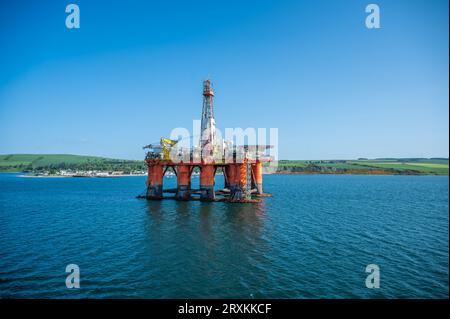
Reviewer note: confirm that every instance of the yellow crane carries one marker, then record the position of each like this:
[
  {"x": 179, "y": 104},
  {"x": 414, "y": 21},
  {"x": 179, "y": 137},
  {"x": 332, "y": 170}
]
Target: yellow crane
[
  {"x": 167, "y": 144},
  {"x": 161, "y": 151}
]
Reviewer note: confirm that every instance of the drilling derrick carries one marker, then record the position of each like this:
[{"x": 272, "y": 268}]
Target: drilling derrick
[
  {"x": 207, "y": 144},
  {"x": 208, "y": 124}
]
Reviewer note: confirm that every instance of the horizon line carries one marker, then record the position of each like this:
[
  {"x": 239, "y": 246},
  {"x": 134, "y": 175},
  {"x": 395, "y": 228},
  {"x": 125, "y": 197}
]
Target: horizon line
[{"x": 285, "y": 159}]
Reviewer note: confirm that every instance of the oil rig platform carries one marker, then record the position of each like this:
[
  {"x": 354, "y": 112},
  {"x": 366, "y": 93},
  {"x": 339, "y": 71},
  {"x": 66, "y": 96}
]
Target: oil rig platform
[{"x": 241, "y": 166}]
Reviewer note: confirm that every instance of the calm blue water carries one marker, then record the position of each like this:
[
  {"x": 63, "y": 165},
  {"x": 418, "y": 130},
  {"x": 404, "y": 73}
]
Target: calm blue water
[{"x": 313, "y": 239}]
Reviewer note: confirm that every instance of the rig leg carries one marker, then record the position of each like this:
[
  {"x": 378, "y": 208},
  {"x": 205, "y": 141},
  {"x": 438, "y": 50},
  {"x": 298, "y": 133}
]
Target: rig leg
[
  {"x": 155, "y": 182},
  {"x": 258, "y": 176},
  {"x": 238, "y": 192},
  {"x": 184, "y": 182},
  {"x": 231, "y": 177},
  {"x": 207, "y": 182}
]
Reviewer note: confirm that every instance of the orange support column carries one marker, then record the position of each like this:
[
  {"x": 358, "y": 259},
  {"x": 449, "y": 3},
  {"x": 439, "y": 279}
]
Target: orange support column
[
  {"x": 229, "y": 172},
  {"x": 258, "y": 176},
  {"x": 240, "y": 181},
  {"x": 184, "y": 182},
  {"x": 155, "y": 181},
  {"x": 149, "y": 173},
  {"x": 207, "y": 182}
]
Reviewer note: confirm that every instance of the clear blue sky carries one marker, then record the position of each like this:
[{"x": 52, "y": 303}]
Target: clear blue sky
[{"x": 133, "y": 71}]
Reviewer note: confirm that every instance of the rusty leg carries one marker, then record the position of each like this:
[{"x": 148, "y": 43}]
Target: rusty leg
[
  {"x": 237, "y": 193},
  {"x": 184, "y": 182},
  {"x": 155, "y": 181},
  {"x": 229, "y": 171},
  {"x": 207, "y": 182},
  {"x": 258, "y": 177}
]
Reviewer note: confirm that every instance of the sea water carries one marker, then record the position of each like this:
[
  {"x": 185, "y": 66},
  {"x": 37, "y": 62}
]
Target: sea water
[{"x": 312, "y": 239}]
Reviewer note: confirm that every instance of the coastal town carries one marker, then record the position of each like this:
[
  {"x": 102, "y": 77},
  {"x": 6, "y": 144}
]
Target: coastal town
[{"x": 93, "y": 173}]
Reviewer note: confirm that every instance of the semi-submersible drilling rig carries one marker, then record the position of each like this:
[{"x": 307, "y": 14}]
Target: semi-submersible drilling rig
[{"x": 242, "y": 166}]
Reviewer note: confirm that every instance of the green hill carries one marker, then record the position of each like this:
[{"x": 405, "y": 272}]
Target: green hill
[
  {"x": 35, "y": 162},
  {"x": 404, "y": 166},
  {"x": 38, "y": 160}
]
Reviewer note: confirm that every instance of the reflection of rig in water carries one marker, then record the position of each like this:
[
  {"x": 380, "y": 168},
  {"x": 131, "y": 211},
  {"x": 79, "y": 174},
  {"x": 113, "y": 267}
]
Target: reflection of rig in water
[{"x": 241, "y": 165}]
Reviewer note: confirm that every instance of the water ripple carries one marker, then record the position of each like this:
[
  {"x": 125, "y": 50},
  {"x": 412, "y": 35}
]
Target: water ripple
[{"x": 313, "y": 239}]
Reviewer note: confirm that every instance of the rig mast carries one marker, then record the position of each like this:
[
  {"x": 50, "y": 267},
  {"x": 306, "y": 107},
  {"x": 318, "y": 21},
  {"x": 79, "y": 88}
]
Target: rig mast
[{"x": 208, "y": 124}]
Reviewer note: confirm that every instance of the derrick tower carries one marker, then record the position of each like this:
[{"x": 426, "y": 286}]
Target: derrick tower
[{"x": 208, "y": 124}]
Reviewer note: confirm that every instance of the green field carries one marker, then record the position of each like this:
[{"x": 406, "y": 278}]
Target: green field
[
  {"x": 36, "y": 162},
  {"x": 409, "y": 166},
  {"x": 44, "y": 159},
  {"x": 430, "y": 168}
]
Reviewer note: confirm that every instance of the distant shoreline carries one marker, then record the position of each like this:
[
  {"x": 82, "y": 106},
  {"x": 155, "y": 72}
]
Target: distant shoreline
[
  {"x": 60, "y": 164},
  {"x": 357, "y": 173},
  {"x": 69, "y": 176},
  {"x": 24, "y": 175}
]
